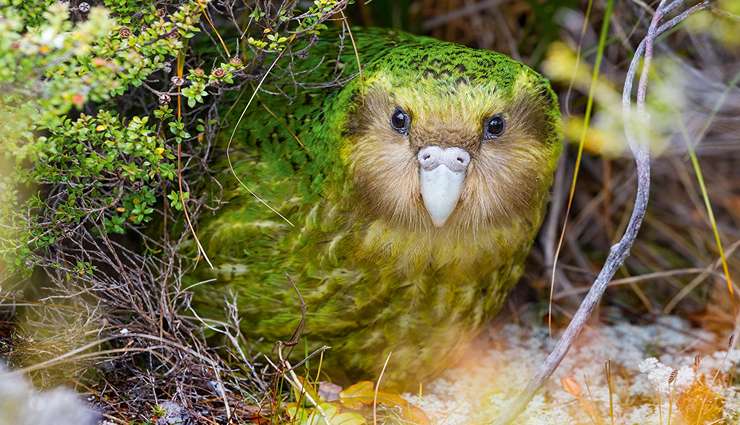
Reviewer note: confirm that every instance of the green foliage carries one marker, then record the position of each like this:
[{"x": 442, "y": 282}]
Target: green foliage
[
  {"x": 32, "y": 12},
  {"x": 67, "y": 160},
  {"x": 290, "y": 23},
  {"x": 96, "y": 158},
  {"x": 199, "y": 81},
  {"x": 44, "y": 73},
  {"x": 100, "y": 166}
]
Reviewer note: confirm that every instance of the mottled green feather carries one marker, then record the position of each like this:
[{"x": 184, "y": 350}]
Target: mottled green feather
[{"x": 370, "y": 286}]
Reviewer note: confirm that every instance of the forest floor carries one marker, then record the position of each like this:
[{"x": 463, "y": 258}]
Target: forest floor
[{"x": 661, "y": 373}]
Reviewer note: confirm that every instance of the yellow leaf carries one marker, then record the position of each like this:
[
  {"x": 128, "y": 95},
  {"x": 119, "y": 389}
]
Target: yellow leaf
[
  {"x": 358, "y": 395},
  {"x": 100, "y": 127},
  {"x": 415, "y": 415},
  {"x": 597, "y": 142},
  {"x": 349, "y": 418},
  {"x": 362, "y": 394}
]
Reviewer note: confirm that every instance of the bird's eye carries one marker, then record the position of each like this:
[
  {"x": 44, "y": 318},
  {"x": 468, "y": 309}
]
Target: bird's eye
[
  {"x": 400, "y": 121},
  {"x": 494, "y": 127}
]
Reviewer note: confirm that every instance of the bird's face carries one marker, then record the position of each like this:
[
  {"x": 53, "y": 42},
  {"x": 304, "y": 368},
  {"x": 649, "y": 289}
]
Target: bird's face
[{"x": 431, "y": 153}]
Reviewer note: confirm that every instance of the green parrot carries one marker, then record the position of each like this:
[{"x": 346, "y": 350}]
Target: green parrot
[{"x": 390, "y": 189}]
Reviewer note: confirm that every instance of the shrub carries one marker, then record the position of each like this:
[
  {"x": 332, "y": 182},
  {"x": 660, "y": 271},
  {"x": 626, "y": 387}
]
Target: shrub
[{"x": 110, "y": 109}]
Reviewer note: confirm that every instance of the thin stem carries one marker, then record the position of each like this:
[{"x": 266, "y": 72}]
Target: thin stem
[
  {"x": 620, "y": 251},
  {"x": 579, "y": 155}
]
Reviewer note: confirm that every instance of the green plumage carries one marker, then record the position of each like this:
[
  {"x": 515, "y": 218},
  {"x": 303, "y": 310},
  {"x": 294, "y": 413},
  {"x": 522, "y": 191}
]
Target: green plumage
[{"x": 373, "y": 281}]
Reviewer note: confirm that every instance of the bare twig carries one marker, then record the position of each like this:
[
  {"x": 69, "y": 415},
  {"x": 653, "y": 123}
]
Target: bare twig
[
  {"x": 233, "y": 133},
  {"x": 295, "y": 381},
  {"x": 620, "y": 251},
  {"x": 377, "y": 389}
]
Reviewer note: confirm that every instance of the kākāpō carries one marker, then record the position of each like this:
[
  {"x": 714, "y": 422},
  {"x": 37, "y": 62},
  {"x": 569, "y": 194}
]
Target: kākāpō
[{"x": 409, "y": 195}]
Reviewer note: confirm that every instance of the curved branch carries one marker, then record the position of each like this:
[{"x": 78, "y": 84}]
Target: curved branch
[{"x": 620, "y": 251}]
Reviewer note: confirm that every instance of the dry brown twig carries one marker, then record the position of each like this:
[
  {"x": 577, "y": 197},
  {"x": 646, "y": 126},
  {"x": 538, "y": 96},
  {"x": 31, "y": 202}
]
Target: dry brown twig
[{"x": 620, "y": 251}]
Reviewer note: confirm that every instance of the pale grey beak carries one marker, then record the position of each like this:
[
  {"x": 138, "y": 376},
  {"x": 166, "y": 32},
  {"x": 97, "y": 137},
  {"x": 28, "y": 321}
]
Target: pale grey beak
[{"x": 441, "y": 175}]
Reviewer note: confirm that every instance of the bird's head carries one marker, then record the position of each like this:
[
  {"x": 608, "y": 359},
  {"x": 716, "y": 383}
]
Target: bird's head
[{"x": 451, "y": 137}]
